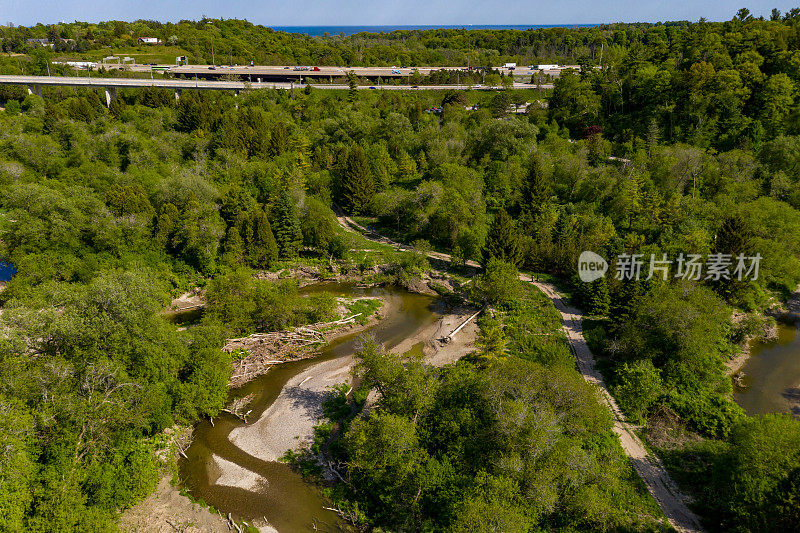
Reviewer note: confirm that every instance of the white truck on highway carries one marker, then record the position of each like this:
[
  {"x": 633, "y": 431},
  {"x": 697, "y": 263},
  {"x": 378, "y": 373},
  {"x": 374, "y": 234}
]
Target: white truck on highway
[{"x": 510, "y": 66}]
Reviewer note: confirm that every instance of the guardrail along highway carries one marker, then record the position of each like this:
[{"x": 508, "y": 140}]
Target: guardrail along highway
[{"x": 110, "y": 85}]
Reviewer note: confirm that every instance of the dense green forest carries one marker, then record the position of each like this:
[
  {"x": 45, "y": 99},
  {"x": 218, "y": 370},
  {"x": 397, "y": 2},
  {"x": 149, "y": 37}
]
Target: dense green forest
[
  {"x": 239, "y": 42},
  {"x": 109, "y": 212}
]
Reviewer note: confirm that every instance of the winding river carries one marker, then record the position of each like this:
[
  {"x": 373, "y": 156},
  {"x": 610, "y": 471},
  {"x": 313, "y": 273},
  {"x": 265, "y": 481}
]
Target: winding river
[
  {"x": 771, "y": 382},
  {"x": 281, "y": 496}
]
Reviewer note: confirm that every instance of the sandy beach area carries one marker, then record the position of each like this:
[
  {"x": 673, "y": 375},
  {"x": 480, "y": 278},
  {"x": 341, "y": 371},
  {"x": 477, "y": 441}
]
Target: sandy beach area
[{"x": 290, "y": 420}]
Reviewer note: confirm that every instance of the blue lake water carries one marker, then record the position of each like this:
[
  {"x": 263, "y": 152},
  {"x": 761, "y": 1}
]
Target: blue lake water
[
  {"x": 350, "y": 30},
  {"x": 7, "y": 270}
]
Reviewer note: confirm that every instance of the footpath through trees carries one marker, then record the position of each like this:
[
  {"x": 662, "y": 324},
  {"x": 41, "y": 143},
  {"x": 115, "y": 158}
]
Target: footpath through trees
[{"x": 647, "y": 465}]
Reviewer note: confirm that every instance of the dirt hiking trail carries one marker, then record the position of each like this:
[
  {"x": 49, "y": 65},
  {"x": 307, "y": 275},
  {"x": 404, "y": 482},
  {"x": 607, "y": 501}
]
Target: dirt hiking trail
[{"x": 647, "y": 465}]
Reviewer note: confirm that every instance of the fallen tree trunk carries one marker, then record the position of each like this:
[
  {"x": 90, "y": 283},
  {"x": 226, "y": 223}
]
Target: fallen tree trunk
[
  {"x": 237, "y": 406},
  {"x": 459, "y": 328}
]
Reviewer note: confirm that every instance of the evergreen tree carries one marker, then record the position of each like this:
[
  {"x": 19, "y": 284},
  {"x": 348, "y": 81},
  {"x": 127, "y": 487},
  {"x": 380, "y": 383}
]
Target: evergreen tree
[
  {"x": 235, "y": 204},
  {"x": 503, "y": 241},
  {"x": 301, "y": 147},
  {"x": 457, "y": 260},
  {"x": 500, "y": 104},
  {"x": 116, "y": 107},
  {"x": 415, "y": 114},
  {"x": 128, "y": 200},
  {"x": 262, "y": 248},
  {"x": 422, "y": 162},
  {"x": 407, "y": 167},
  {"x": 197, "y": 110},
  {"x": 491, "y": 338},
  {"x": 245, "y": 222},
  {"x": 279, "y": 139},
  {"x": 625, "y": 297},
  {"x": 565, "y": 244},
  {"x": 253, "y": 131},
  {"x": 288, "y": 232},
  {"x": 381, "y": 164},
  {"x": 352, "y": 82},
  {"x": 652, "y": 136},
  {"x": 599, "y": 298},
  {"x": 166, "y": 224},
  {"x": 734, "y": 238},
  {"x": 357, "y": 186},
  {"x": 596, "y": 145},
  {"x": 233, "y": 247},
  {"x": 536, "y": 190}
]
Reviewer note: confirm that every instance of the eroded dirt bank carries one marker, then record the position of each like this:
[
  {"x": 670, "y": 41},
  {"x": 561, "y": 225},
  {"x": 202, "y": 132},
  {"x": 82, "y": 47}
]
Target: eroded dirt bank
[{"x": 168, "y": 511}]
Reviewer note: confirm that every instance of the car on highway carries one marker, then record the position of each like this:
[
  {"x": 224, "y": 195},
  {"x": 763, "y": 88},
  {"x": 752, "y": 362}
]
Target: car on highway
[
  {"x": 316, "y": 69},
  {"x": 373, "y": 87},
  {"x": 212, "y": 68}
]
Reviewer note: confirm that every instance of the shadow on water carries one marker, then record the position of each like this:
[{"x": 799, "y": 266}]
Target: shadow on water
[
  {"x": 771, "y": 382},
  {"x": 285, "y": 500},
  {"x": 186, "y": 317}
]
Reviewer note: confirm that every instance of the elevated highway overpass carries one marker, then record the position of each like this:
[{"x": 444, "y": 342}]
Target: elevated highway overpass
[
  {"x": 319, "y": 73},
  {"x": 34, "y": 84}
]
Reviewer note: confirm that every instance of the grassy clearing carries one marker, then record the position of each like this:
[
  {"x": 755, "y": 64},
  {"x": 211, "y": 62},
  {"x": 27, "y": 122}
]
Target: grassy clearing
[
  {"x": 366, "y": 306},
  {"x": 142, "y": 54},
  {"x": 532, "y": 327}
]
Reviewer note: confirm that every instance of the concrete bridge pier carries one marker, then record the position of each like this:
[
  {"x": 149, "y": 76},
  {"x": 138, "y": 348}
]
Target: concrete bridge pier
[
  {"x": 111, "y": 94},
  {"x": 35, "y": 89}
]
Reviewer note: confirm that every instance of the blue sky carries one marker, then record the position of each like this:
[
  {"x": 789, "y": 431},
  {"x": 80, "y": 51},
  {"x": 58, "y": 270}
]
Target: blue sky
[{"x": 369, "y": 12}]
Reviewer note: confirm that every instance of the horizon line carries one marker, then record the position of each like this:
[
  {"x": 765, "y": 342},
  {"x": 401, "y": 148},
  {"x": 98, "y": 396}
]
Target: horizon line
[{"x": 351, "y": 25}]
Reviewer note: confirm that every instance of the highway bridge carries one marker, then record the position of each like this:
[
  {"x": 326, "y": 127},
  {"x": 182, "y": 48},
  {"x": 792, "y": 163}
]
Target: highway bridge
[
  {"x": 269, "y": 73},
  {"x": 34, "y": 85},
  {"x": 317, "y": 73}
]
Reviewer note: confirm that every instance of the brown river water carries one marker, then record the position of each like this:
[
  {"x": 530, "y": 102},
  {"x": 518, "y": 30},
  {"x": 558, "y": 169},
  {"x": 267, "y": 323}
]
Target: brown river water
[
  {"x": 285, "y": 500},
  {"x": 771, "y": 381},
  {"x": 771, "y": 384}
]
